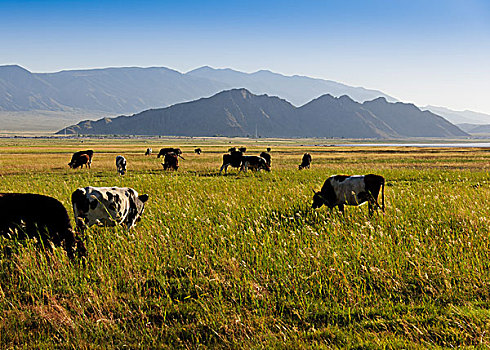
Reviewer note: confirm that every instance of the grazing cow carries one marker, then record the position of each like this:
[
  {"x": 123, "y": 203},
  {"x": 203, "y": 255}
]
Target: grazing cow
[
  {"x": 234, "y": 159},
  {"x": 82, "y": 160},
  {"x": 197, "y": 151},
  {"x": 121, "y": 164},
  {"x": 28, "y": 215},
  {"x": 148, "y": 151},
  {"x": 340, "y": 190},
  {"x": 75, "y": 158},
  {"x": 255, "y": 163},
  {"x": 267, "y": 158},
  {"x": 164, "y": 151},
  {"x": 170, "y": 162},
  {"x": 107, "y": 206},
  {"x": 305, "y": 162}
]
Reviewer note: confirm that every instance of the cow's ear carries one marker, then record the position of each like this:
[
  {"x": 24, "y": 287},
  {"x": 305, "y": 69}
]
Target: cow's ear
[{"x": 143, "y": 197}]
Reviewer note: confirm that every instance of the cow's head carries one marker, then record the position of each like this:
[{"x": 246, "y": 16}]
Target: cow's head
[
  {"x": 318, "y": 200},
  {"x": 136, "y": 208}
]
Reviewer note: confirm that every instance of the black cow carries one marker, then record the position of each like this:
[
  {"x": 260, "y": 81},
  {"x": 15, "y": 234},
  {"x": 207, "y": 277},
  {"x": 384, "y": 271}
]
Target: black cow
[
  {"x": 77, "y": 155},
  {"x": 28, "y": 215},
  {"x": 255, "y": 163},
  {"x": 170, "y": 162},
  {"x": 268, "y": 149},
  {"x": 305, "y": 162},
  {"x": 340, "y": 190},
  {"x": 82, "y": 160},
  {"x": 267, "y": 158},
  {"x": 197, "y": 151},
  {"x": 164, "y": 151},
  {"x": 234, "y": 159}
]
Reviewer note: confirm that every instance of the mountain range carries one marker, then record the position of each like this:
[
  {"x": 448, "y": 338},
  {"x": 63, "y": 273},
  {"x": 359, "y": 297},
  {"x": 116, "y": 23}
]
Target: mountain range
[
  {"x": 238, "y": 112},
  {"x": 131, "y": 90}
]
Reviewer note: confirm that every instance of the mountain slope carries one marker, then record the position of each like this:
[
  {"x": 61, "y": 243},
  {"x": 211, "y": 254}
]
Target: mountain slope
[
  {"x": 408, "y": 120},
  {"x": 460, "y": 117},
  {"x": 238, "y": 112}
]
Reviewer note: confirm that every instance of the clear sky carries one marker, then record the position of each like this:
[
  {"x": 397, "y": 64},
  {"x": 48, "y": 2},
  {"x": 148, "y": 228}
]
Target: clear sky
[{"x": 423, "y": 51}]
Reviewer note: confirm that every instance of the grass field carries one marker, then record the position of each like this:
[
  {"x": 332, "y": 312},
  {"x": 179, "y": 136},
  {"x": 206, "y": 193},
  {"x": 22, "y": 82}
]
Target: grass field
[{"x": 242, "y": 261}]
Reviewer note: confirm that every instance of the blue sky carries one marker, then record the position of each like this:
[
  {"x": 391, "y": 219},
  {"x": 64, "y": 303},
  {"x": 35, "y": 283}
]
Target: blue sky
[{"x": 426, "y": 52}]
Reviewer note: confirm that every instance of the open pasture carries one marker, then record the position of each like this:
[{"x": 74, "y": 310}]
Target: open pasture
[{"x": 242, "y": 261}]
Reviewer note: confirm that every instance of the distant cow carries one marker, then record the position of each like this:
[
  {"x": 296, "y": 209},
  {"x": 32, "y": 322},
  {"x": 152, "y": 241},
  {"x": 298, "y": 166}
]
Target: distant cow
[
  {"x": 267, "y": 158},
  {"x": 268, "y": 149},
  {"x": 197, "y": 151},
  {"x": 121, "y": 164},
  {"x": 28, "y": 215},
  {"x": 305, "y": 162},
  {"x": 170, "y": 162},
  {"x": 164, "y": 151},
  {"x": 340, "y": 190},
  {"x": 148, "y": 151},
  {"x": 234, "y": 159},
  {"x": 107, "y": 206},
  {"x": 255, "y": 163},
  {"x": 76, "y": 159}
]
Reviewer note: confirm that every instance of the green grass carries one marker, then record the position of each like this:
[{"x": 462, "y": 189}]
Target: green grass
[{"x": 242, "y": 261}]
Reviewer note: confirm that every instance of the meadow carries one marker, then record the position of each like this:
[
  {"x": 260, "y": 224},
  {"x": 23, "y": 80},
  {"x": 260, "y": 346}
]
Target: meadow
[{"x": 242, "y": 261}]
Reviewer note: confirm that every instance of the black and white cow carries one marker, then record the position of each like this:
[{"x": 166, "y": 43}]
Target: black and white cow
[
  {"x": 121, "y": 165},
  {"x": 305, "y": 161},
  {"x": 234, "y": 159},
  {"x": 255, "y": 163},
  {"x": 340, "y": 190},
  {"x": 78, "y": 159},
  {"x": 267, "y": 158},
  {"x": 107, "y": 206},
  {"x": 170, "y": 162},
  {"x": 29, "y": 215},
  {"x": 148, "y": 151}
]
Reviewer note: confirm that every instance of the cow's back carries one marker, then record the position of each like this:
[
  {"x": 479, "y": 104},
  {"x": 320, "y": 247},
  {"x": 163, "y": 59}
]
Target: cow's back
[{"x": 36, "y": 212}]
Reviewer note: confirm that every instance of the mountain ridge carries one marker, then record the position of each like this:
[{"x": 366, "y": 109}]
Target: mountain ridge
[{"x": 238, "y": 112}]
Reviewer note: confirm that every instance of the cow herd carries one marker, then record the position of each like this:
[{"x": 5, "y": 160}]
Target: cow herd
[{"x": 37, "y": 216}]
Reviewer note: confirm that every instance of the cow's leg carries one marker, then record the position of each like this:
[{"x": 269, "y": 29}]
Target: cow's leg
[
  {"x": 371, "y": 208},
  {"x": 224, "y": 166},
  {"x": 341, "y": 208}
]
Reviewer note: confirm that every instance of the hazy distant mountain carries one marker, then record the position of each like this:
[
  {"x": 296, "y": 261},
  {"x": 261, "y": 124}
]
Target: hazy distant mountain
[
  {"x": 130, "y": 90},
  {"x": 296, "y": 89},
  {"x": 475, "y": 128},
  {"x": 238, "y": 112},
  {"x": 112, "y": 90},
  {"x": 460, "y": 117}
]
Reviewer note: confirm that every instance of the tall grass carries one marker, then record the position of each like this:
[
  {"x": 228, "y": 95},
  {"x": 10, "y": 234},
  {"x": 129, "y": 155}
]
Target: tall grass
[{"x": 242, "y": 261}]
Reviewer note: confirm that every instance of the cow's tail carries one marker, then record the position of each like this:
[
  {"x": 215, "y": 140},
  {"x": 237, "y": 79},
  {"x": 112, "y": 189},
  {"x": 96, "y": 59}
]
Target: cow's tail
[{"x": 383, "y": 195}]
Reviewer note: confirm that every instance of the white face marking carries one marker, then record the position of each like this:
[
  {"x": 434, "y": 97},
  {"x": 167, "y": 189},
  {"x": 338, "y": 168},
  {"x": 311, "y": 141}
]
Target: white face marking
[{"x": 347, "y": 191}]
